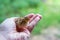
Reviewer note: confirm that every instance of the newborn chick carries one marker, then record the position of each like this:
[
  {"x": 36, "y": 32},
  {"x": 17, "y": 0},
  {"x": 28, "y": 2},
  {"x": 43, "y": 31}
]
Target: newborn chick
[{"x": 21, "y": 24}]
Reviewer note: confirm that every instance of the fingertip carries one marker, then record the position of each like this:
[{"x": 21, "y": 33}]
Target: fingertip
[
  {"x": 40, "y": 16},
  {"x": 30, "y": 15}
]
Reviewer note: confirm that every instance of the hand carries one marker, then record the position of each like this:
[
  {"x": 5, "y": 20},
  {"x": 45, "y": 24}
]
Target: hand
[{"x": 8, "y": 26}]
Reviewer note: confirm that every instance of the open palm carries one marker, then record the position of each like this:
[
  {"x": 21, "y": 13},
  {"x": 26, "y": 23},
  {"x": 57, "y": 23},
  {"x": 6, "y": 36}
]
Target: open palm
[{"x": 8, "y": 32}]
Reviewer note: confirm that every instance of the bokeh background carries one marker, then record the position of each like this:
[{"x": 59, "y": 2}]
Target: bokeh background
[{"x": 49, "y": 9}]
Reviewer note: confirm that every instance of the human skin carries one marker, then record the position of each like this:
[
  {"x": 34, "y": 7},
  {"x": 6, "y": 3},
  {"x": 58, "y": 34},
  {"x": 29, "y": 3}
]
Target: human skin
[{"x": 8, "y": 28}]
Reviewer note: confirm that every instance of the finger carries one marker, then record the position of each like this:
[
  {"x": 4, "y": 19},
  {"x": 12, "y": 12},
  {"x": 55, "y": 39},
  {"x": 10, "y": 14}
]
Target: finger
[
  {"x": 30, "y": 15},
  {"x": 34, "y": 22},
  {"x": 35, "y": 17},
  {"x": 31, "y": 19}
]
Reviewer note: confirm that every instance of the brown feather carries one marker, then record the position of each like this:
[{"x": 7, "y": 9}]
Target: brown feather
[{"x": 21, "y": 23}]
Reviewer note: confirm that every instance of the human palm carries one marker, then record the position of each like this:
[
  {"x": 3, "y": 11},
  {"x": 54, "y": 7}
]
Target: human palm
[{"x": 8, "y": 28}]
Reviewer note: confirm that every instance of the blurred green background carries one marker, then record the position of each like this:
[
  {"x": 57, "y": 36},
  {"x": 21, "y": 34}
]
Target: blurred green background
[{"x": 49, "y": 9}]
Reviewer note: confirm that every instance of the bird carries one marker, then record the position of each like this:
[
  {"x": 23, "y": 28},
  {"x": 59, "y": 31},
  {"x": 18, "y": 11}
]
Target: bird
[{"x": 21, "y": 23}]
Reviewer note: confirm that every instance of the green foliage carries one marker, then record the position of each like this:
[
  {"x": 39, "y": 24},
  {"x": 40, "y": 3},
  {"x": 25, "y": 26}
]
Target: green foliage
[
  {"x": 50, "y": 13},
  {"x": 9, "y": 8}
]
